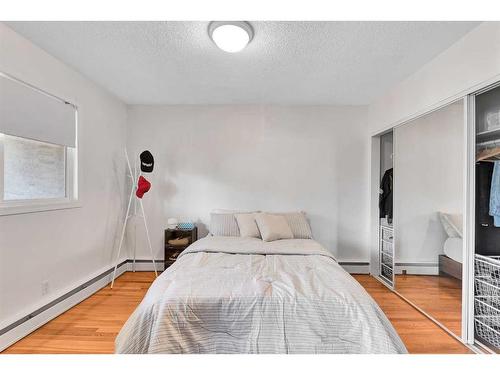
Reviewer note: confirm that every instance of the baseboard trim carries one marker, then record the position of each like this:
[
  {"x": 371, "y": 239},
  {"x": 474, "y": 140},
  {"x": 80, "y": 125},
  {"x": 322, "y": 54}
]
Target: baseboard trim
[
  {"x": 34, "y": 320},
  {"x": 144, "y": 265},
  {"x": 417, "y": 268},
  {"x": 356, "y": 267}
]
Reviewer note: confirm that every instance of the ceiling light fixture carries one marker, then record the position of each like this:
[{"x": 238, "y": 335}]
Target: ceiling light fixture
[{"x": 230, "y": 36}]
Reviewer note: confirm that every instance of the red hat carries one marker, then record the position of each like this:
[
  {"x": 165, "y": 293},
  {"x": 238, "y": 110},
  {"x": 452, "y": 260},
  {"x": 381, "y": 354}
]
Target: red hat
[{"x": 143, "y": 187}]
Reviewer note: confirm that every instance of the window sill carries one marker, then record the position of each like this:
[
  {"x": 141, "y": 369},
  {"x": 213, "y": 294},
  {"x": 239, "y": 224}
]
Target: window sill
[{"x": 26, "y": 208}]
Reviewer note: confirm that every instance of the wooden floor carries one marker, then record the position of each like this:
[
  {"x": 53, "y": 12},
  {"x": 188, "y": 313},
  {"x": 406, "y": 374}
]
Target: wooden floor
[
  {"x": 420, "y": 334},
  {"x": 91, "y": 326},
  {"x": 439, "y": 296}
]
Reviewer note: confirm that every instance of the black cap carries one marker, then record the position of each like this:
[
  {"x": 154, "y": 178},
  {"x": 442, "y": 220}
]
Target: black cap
[{"x": 147, "y": 161}]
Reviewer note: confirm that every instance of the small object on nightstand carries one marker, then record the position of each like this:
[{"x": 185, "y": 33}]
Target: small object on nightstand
[
  {"x": 185, "y": 225},
  {"x": 172, "y": 223},
  {"x": 176, "y": 241}
]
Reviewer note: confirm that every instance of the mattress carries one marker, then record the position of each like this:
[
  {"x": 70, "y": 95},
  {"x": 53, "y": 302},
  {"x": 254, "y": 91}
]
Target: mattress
[
  {"x": 453, "y": 248},
  {"x": 244, "y": 295}
]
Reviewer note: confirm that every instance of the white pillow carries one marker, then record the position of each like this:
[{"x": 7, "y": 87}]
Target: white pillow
[
  {"x": 273, "y": 227},
  {"x": 298, "y": 224},
  {"x": 223, "y": 225},
  {"x": 247, "y": 225},
  {"x": 452, "y": 224}
]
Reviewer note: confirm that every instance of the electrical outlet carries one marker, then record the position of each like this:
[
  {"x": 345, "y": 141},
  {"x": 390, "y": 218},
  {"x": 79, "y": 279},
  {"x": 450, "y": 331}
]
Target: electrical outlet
[{"x": 45, "y": 287}]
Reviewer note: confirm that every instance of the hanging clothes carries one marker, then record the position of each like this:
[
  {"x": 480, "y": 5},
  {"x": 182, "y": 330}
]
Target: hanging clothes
[
  {"x": 484, "y": 173},
  {"x": 495, "y": 195},
  {"x": 385, "y": 197},
  {"x": 487, "y": 236}
]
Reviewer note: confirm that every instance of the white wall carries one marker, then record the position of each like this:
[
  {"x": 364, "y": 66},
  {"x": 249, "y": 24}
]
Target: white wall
[
  {"x": 386, "y": 153},
  {"x": 468, "y": 64},
  {"x": 64, "y": 247},
  {"x": 427, "y": 179},
  {"x": 258, "y": 157}
]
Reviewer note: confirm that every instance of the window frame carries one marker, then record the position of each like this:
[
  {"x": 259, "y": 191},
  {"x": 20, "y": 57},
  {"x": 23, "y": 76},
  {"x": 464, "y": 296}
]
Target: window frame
[{"x": 72, "y": 198}]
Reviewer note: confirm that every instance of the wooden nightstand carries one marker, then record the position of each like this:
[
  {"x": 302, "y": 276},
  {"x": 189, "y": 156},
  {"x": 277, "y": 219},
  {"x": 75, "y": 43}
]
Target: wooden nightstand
[{"x": 172, "y": 251}]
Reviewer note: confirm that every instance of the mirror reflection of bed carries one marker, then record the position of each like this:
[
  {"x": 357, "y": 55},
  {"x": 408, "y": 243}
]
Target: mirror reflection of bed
[{"x": 428, "y": 213}]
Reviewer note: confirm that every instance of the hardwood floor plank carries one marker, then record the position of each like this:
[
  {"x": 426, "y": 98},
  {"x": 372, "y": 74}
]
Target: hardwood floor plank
[
  {"x": 92, "y": 325},
  {"x": 439, "y": 296},
  {"x": 419, "y": 334}
]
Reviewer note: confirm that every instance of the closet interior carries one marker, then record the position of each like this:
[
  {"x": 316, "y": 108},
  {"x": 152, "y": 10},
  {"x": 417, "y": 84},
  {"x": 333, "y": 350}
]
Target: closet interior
[
  {"x": 487, "y": 220},
  {"x": 386, "y": 232}
]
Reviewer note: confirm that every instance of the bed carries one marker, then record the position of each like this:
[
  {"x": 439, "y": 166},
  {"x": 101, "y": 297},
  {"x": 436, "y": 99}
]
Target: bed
[
  {"x": 450, "y": 263},
  {"x": 245, "y": 295}
]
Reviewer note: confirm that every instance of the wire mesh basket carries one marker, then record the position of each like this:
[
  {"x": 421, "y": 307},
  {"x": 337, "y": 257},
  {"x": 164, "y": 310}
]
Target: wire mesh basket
[
  {"x": 386, "y": 272},
  {"x": 487, "y": 306},
  {"x": 386, "y": 247},
  {"x": 487, "y": 299},
  {"x": 387, "y": 234},
  {"x": 387, "y": 259},
  {"x": 487, "y": 276},
  {"x": 488, "y": 329}
]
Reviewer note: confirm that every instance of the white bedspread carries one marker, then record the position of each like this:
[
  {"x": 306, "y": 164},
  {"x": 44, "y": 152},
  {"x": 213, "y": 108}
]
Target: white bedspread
[{"x": 243, "y": 295}]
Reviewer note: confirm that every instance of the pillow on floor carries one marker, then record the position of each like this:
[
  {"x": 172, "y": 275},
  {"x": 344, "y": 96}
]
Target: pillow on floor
[
  {"x": 247, "y": 225},
  {"x": 452, "y": 224},
  {"x": 273, "y": 227}
]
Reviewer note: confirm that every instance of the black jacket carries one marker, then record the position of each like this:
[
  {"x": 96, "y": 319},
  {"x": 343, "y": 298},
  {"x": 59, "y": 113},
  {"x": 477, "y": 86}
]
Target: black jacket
[{"x": 385, "y": 198}]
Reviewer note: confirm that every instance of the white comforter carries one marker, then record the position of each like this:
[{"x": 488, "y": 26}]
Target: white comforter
[{"x": 242, "y": 295}]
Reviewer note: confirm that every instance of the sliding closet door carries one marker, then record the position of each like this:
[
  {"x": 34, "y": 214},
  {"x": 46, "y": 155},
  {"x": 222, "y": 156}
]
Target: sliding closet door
[
  {"x": 428, "y": 213},
  {"x": 487, "y": 221}
]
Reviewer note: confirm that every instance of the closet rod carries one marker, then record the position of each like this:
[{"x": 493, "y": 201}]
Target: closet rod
[{"x": 489, "y": 142}]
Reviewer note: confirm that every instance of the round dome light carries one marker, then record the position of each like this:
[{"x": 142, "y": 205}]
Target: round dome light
[{"x": 230, "y": 36}]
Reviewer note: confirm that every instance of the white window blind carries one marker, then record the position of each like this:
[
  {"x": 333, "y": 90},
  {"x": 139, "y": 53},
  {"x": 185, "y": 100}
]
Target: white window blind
[
  {"x": 28, "y": 113},
  {"x": 38, "y": 149}
]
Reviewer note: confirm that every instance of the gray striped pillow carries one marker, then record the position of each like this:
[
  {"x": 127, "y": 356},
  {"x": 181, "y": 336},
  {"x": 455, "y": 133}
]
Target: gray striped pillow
[
  {"x": 298, "y": 224},
  {"x": 224, "y": 224}
]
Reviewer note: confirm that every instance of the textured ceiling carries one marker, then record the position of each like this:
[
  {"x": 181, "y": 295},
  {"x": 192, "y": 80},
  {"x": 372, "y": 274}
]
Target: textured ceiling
[{"x": 345, "y": 63}]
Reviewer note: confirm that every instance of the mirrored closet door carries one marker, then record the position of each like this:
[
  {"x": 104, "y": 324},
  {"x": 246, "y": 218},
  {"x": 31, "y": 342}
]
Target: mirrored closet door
[{"x": 428, "y": 213}]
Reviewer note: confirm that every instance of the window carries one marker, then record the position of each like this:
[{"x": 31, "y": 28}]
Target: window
[
  {"x": 33, "y": 170},
  {"x": 38, "y": 154}
]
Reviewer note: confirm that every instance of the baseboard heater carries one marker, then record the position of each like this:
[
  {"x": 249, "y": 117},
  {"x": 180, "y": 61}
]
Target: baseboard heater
[{"x": 6, "y": 342}]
